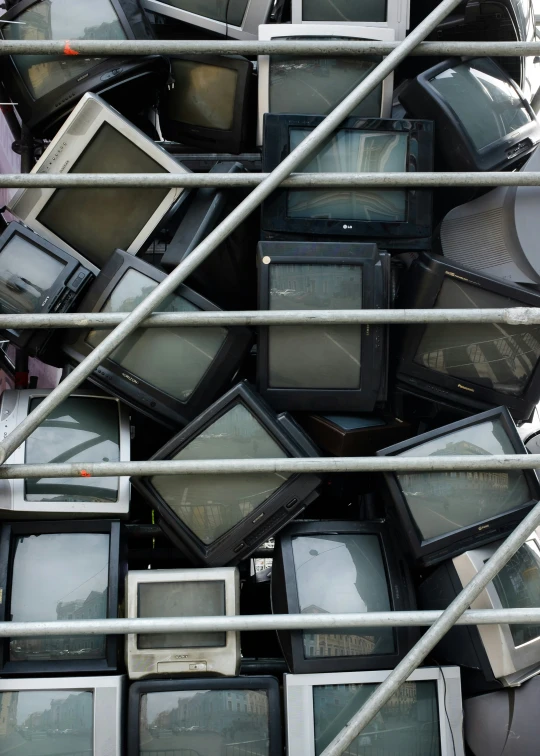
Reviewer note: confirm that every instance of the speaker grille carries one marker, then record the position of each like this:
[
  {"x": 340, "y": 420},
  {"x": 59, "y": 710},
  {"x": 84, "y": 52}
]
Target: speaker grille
[
  {"x": 82, "y": 121},
  {"x": 476, "y": 240}
]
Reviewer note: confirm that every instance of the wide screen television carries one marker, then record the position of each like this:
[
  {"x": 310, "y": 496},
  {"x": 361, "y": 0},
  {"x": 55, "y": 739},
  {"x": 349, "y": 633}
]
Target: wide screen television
[
  {"x": 90, "y": 223},
  {"x": 62, "y": 715},
  {"x": 441, "y": 514},
  {"x": 328, "y": 567},
  {"x": 315, "y": 86},
  {"x": 86, "y": 427},
  {"x": 329, "y": 367},
  {"x": 393, "y": 218},
  {"x": 379, "y": 13},
  {"x": 54, "y": 571},
  {"x": 220, "y": 519},
  {"x": 170, "y": 374},
  {"x": 238, "y": 19},
  {"x": 483, "y": 121},
  {"x": 505, "y": 654},
  {"x": 352, "y": 435},
  {"x": 206, "y": 592},
  {"x": 478, "y": 365},
  {"x": 424, "y": 716}
]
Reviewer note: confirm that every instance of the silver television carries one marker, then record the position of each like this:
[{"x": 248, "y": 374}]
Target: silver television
[{"x": 393, "y": 14}]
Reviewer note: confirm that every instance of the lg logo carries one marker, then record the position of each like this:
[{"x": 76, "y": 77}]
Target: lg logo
[{"x": 346, "y": 227}]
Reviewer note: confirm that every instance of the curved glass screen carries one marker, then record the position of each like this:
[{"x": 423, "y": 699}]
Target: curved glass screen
[
  {"x": 203, "y": 95},
  {"x": 26, "y": 274}
]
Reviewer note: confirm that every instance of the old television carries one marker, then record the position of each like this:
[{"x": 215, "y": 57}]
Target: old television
[
  {"x": 388, "y": 13},
  {"x": 90, "y": 223},
  {"x": 238, "y": 19},
  {"x": 208, "y": 716},
  {"x": 354, "y": 435},
  {"x": 68, "y": 715},
  {"x": 478, "y": 365},
  {"x": 170, "y": 374},
  {"x": 86, "y": 427},
  {"x": 329, "y": 367},
  {"x": 424, "y": 716},
  {"x": 315, "y": 86},
  {"x": 442, "y": 514},
  {"x": 505, "y": 654},
  {"x": 54, "y": 571},
  {"x": 483, "y": 121},
  {"x": 36, "y": 277},
  {"x": 205, "y": 592},
  {"x": 45, "y": 88},
  {"x": 393, "y": 218},
  {"x": 219, "y": 520},
  {"x": 211, "y": 105},
  {"x": 328, "y": 567}
]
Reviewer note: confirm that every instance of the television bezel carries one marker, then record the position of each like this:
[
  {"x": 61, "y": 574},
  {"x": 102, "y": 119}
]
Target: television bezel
[
  {"x": 270, "y": 515},
  {"x": 373, "y": 338},
  {"x": 397, "y": 17},
  {"x": 446, "y": 546},
  {"x": 184, "y": 660},
  {"x": 130, "y": 388},
  {"x": 11, "y": 530}
]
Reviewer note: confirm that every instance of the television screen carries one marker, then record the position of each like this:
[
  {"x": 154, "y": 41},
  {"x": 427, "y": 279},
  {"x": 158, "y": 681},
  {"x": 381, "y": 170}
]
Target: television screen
[
  {"x": 26, "y": 273},
  {"x": 518, "y": 587},
  {"x": 203, "y": 95},
  {"x": 340, "y": 11},
  {"x": 231, "y": 12}
]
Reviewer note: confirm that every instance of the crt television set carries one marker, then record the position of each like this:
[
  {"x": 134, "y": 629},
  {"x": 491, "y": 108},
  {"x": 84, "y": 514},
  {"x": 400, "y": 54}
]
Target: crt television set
[
  {"x": 238, "y": 19},
  {"x": 503, "y": 654},
  {"x": 86, "y": 427},
  {"x": 205, "y": 592},
  {"x": 326, "y": 367},
  {"x": 169, "y": 374},
  {"x": 393, "y": 218},
  {"x": 424, "y": 716},
  {"x": 354, "y": 435},
  {"x": 483, "y": 122},
  {"x": 378, "y": 13},
  {"x": 328, "y": 567},
  {"x": 441, "y": 514},
  {"x": 54, "y": 571},
  {"x": 219, "y": 520},
  {"x": 90, "y": 223}
]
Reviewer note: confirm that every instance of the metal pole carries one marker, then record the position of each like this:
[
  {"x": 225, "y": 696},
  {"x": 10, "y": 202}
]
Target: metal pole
[{"x": 222, "y": 231}]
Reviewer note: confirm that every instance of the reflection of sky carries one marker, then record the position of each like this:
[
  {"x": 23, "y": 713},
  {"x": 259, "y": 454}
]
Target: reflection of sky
[
  {"x": 167, "y": 701},
  {"x": 30, "y": 702},
  {"x": 488, "y": 436}
]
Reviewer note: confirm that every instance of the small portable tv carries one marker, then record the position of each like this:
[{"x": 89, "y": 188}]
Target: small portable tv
[
  {"x": 506, "y": 654},
  {"x": 442, "y": 514},
  {"x": 483, "y": 122},
  {"x": 208, "y": 716},
  {"x": 86, "y": 427},
  {"x": 62, "y": 715},
  {"x": 478, "y": 365},
  {"x": 90, "y": 223},
  {"x": 351, "y": 435},
  {"x": 393, "y": 14},
  {"x": 330, "y": 367},
  {"x": 169, "y": 374},
  {"x": 424, "y": 716},
  {"x": 59, "y": 571},
  {"x": 328, "y": 567},
  {"x": 238, "y": 19},
  {"x": 315, "y": 86},
  {"x": 206, "y": 592},
  {"x": 219, "y": 520},
  {"x": 393, "y": 218}
]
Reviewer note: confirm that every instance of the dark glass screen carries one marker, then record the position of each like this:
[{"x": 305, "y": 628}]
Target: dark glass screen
[
  {"x": 518, "y": 587},
  {"x": 343, "y": 10},
  {"x": 203, "y": 95},
  {"x": 26, "y": 274}
]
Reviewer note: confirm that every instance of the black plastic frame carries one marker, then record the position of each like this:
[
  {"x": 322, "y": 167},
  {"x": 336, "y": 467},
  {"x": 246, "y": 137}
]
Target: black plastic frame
[{"x": 354, "y": 442}]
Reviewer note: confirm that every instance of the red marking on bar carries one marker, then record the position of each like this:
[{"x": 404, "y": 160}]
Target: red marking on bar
[
  {"x": 85, "y": 474},
  {"x": 68, "y": 50}
]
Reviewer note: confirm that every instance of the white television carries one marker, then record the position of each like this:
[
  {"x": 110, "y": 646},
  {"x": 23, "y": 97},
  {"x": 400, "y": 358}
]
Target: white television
[{"x": 393, "y": 14}]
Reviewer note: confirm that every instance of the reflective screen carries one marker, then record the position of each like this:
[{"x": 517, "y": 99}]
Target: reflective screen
[
  {"x": 40, "y": 722},
  {"x": 81, "y": 429},
  {"x": 340, "y": 574},
  {"x": 357, "y": 151},
  {"x": 205, "y": 723},
  {"x": 174, "y": 360},
  {"x": 407, "y": 725},
  {"x": 315, "y": 356},
  {"x": 210, "y": 505},
  {"x": 65, "y": 20},
  {"x": 443, "y": 502},
  {"x": 59, "y": 576},
  {"x": 203, "y": 95},
  {"x": 488, "y": 106},
  {"x": 182, "y": 599},
  {"x": 95, "y": 222},
  {"x": 518, "y": 587},
  {"x": 230, "y": 11},
  {"x": 494, "y": 355},
  {"x": 26, "y": 274},
  {"x": 343, "y": 10}
]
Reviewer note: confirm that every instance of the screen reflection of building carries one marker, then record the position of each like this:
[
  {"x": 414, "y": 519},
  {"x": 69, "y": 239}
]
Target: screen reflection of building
[
  {"x": 332, "y": 700},
  {"x": 336, "y": 644},
  {"x": 8, "y": 713},
  {"x": 72, "y": 713}
]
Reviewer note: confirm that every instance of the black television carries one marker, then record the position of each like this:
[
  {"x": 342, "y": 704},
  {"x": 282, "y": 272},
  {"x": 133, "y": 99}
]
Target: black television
[
  {"x": 483, "y": 122},
  {"x": 397, "y": 218},
  {"x": 59, "y": 571},
  {"x": 169, "y": 374},
  {"x": 475, "y": 366},
  {"x": 328, "y": 567},
  {"x": 219, "y": 519},
  {"x": 442, "y": 514},
  {"x": 326, "y": 367},
  {"x": 354, "y": 435}
]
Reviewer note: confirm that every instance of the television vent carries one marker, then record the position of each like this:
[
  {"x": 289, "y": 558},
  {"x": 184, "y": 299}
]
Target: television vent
[
  {"x": 476, "y": 241},
  {"x": 88, "y": 114}
]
